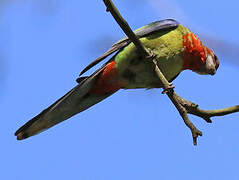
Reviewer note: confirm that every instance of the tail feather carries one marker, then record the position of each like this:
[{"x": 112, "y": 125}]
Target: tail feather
[{"x": 75, "y": 101}]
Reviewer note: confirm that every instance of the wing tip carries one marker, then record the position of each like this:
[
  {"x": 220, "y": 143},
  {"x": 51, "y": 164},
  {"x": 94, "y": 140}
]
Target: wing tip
[
  {"x": 82, "y": 72},
  {"x": 21, "y": 132},
  {"x": 21, "y": 135}
]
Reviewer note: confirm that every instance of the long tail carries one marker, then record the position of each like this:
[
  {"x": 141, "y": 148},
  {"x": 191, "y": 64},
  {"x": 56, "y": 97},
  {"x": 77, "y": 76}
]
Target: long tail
[{"x": 80, "y": 98}]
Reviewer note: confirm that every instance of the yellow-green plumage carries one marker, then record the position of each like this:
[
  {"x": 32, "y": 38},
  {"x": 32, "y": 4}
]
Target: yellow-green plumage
[
  {"x": 166, "y": 39},
  {"x": 166, "y": 45}
]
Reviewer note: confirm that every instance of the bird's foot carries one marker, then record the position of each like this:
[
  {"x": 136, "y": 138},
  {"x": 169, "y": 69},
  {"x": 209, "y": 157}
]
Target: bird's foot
[{"x": 169, "y": 88}]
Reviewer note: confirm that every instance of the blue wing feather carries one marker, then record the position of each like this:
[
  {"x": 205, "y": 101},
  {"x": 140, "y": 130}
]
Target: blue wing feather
[{"x": 141, "y": 32}]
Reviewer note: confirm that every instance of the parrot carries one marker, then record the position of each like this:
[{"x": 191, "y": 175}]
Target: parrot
[{"x": 175, "y": 47}]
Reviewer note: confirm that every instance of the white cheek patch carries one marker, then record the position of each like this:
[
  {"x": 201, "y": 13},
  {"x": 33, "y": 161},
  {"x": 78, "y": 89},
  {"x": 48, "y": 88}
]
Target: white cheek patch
[
  {"x": 209, "y": 61},
  {"x": 210, "y": 65}
]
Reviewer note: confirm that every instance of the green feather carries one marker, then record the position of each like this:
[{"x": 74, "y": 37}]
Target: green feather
[{"x": 166, "y": 45}]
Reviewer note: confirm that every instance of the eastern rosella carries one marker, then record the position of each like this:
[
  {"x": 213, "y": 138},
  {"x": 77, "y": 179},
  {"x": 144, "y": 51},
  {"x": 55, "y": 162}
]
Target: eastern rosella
[{"x": 176, "y": 49}]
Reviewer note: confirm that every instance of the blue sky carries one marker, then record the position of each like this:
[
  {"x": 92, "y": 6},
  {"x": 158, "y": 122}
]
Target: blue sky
[{"x": 134, "y": 134}]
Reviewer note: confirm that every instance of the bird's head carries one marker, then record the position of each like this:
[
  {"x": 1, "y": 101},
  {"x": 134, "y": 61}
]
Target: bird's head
[{"x": 198, "y": 57}]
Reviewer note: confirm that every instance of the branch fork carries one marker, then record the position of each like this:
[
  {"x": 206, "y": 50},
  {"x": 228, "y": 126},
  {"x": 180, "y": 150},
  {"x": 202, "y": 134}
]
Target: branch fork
[{"x": 183, "y": 106}]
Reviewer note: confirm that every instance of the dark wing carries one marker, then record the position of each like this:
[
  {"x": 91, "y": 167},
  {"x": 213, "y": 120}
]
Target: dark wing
[
  {"x": 106, "y": 54},
  {"x": 62, "y": 109},
  {"x": 141, "y": 32}
]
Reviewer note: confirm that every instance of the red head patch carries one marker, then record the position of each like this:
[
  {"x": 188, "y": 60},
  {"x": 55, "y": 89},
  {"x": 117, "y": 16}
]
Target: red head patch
[{"x": 195, "y": 53}]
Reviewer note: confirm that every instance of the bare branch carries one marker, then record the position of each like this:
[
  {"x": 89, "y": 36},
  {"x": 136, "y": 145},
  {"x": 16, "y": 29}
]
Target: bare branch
[
  {"x": 125, "y": 27},
  {"x": 178, "y": 103},
  {"x": 208, "y": 114},
  {"x": 183, "y": 106}
]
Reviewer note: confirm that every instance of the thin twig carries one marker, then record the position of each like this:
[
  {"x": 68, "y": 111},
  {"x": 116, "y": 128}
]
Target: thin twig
[
  {"x": 125, "y": 27},
  {"x": 194, "y": 109},
  {"x": 183, "y": 106},
  {"x": 176, "y": 100}
]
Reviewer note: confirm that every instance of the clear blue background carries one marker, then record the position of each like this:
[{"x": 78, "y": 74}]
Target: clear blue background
[{"x": 134, "y": 134}]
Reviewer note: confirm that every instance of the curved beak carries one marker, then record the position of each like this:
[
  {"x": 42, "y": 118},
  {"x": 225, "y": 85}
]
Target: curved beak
[{"x": 212, "y": 64}]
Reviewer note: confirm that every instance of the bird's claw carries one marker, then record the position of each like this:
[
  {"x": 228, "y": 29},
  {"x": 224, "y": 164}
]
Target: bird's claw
[{"x": 169, "y": 88}]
